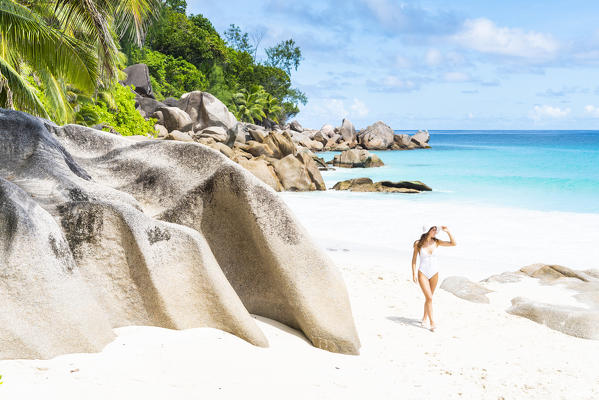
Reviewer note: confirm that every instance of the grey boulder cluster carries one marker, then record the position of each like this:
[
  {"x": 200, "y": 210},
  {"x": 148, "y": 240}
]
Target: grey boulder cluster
[
  {"x": 272, "y": 155},
  {"x": 378, "y": 136},
  {"x": 575, "y": 321},
  {"x": 99, "y": 231}
]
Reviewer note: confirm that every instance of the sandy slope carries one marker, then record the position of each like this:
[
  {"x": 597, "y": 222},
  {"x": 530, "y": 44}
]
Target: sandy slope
[{"x": 478, "y": 352}]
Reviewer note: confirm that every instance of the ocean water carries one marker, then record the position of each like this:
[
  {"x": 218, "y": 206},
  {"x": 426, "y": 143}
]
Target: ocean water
[{"x": 540, "y": 170}]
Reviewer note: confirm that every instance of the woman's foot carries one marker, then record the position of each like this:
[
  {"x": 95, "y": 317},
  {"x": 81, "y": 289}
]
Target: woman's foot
[
  {"x": 424, "y": 324},
  {"x": 433, "y": 327}
]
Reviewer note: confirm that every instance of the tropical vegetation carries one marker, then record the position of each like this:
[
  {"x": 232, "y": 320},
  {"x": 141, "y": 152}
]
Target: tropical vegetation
[
  {"x": 227, "y": 66},
  {"x": 62, "y": 60}
]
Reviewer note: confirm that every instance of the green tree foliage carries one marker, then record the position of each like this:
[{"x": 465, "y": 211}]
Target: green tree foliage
[
  {"x": 228, "y": 64},
  {"x": 170, "y": 76},
  {"x": 179, "y": 6},
  {"x": 116, "y": 111},
  {"x": 238, "y": 40},
  {"x": 284, "y": 55},
  {"x": 193, "y": 39}
]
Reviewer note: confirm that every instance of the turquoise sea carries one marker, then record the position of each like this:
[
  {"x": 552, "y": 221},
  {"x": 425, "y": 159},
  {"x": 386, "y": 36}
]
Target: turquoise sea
[{"x": 541, "y": 170}]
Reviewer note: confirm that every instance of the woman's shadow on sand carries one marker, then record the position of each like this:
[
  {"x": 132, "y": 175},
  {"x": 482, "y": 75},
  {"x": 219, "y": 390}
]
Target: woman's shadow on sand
[{"x": 407, "y": 321}]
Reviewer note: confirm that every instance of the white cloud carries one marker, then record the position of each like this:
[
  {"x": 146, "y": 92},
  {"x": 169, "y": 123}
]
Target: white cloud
[
  {"x": 359, "y": 109},
  {"x": 470, "y": 115},
  {"x": 542, "y": 112},
  {"x": 483, "y": 35},
  {"x": 394, "y": 83},
  {"x": 594, "y": 111},
  {"x": 433, "y": 57},
  {"x": 456, "y": 77},
  {"x": 403, "y": 62}
]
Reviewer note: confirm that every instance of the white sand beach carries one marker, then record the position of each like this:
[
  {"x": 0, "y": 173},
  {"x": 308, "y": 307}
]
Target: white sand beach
[{"x": 478, "y": 352}]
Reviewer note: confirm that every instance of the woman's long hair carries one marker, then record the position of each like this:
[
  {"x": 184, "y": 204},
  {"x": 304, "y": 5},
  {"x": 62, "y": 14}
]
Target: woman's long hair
[{"x": 423, "y": 237}]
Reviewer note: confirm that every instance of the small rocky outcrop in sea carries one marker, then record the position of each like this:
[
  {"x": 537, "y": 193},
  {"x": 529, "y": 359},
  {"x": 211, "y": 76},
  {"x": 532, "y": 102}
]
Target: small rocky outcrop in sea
[
  {"x": 99, "y": 231},
  {"x": 571, "y": 320},
  {"x": 366, "y": 185},
  {"x": 355, "y": 158}
]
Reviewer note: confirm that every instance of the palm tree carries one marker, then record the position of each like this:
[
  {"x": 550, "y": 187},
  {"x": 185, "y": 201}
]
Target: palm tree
[
  {"x": 272, "y": 108},
  {"x": 61, "y": 43},
  {"x": 249, "y": 105}
]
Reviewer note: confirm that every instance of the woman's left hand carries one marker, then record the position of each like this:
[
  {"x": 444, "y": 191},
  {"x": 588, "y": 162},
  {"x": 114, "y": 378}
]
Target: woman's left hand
[{"x": 444, "y": 228}]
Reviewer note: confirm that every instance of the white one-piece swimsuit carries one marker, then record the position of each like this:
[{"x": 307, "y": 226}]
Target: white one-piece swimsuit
[{"x": 428, "y": 263}]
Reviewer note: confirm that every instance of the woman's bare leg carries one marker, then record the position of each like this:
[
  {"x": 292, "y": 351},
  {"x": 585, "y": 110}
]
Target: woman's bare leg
[
  {"x": 433, "y": 282},
  {"x": 428, "y": 295}
]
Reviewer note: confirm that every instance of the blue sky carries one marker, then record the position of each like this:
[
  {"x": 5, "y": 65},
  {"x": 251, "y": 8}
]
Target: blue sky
[{"x": 461, "y": 64}]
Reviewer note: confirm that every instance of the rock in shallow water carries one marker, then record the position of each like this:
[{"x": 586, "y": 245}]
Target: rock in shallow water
[
  {"x": 366, "y": 185},
  {"x": 99, "y": 231},
  {"x": 357, "y": 159}
]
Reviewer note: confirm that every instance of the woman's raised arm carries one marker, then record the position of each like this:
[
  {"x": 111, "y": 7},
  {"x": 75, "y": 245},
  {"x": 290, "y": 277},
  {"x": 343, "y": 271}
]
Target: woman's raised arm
[{"x": 451, "y": 239}]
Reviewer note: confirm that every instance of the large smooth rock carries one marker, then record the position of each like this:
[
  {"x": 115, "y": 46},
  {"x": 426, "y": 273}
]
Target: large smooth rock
[
  {"x": 217, "y": 133},
  {"x": 574, "y": 321},
  {"x": 466, "y": 289},
  {"x": 296, "y": 126},
  {"x": 357, "y": 159},
  {"x": 180, "y": 136},
  {"x": 223, "y": 148},
  {"x": 138, "y": 75},
  {"x": 332, "y": 142},
  {"x": 552, "y": 272},
  {"x": 328, "y": 130},
  {"x": 347, "y": 131},
  {"x": 421, "y": 139},
  {"x": 293, "y": 174},
  {"x": 261, "y": 169},
  {"x": 257, "y": 134},
  {"x": 257, "y": 149},
  {"x": 313, "y": 170},
  {"x": 175, "y": 119},
  {"x": 280, "y": 143},
  {"x": 415, "y": 185},
  {"x": 319, "y": 136},
  {"x": 356, "y": 185},
  {"x": 378, "y": 136},
  {"x": 366, "y": 185},
  {"x": 207, "y": 111},
  {"x": 161, "y": 131},
  {"x": 100, "y": 231},
  {"x": 147, "y": 106},
  {"x": 403, "y": 140}
]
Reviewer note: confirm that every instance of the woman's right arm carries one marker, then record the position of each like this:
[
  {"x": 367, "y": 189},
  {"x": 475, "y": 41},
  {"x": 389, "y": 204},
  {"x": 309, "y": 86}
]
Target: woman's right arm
[{"x": 414, "y": 255}]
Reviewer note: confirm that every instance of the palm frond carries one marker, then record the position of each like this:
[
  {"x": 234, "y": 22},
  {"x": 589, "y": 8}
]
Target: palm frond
[
  {"x": 56, "y": 95},
  {"x": 133, "y": 17},
  {"x": 93, "y": 19},
  {"x": 17, "y": 93},
  {"x": 26, "y": 35}
]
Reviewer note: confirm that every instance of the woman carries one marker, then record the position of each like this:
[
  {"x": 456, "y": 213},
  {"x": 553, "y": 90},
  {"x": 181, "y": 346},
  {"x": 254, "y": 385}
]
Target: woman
[{"x": 428, "y": 271}]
